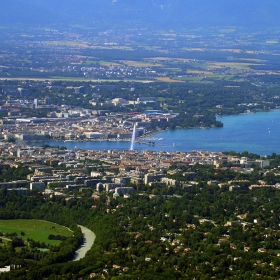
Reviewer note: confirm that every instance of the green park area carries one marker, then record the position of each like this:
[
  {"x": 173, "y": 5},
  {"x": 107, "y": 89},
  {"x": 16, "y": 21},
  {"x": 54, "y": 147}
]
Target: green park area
[{"x": 38, "y": 230}]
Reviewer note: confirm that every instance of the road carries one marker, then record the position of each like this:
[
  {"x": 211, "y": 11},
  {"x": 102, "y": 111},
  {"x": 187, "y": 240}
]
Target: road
[{"x": 89, "y": 238}]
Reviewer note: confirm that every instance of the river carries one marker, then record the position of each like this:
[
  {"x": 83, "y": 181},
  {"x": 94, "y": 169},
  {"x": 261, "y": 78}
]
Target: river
[
  {"x": 256, "y": 133},
  {"x": 89, "y": 238}
]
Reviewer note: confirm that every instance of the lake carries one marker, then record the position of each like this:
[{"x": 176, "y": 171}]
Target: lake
[{"x": 256, "y": 133}]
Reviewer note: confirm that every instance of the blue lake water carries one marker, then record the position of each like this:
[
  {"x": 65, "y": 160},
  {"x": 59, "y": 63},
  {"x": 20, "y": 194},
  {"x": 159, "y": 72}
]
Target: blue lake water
[{"x": 256, "y": 133}]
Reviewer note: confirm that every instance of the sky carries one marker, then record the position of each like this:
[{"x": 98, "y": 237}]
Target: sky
[{"x": 165, "y": 13}]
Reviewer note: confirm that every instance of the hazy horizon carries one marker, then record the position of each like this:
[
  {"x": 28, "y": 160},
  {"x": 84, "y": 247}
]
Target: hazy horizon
[{"x": 159, "y": 13}]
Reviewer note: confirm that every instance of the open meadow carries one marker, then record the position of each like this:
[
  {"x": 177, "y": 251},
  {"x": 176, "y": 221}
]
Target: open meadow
[{"x": 38, "y": 230}]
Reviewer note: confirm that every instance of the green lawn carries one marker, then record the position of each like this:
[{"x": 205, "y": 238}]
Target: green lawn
[{"x": 34, "y": 229}]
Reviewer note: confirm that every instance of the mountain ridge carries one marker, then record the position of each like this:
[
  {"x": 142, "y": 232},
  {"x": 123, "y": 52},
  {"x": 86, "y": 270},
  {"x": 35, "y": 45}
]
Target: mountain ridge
[{"x": 176, "y": 13}]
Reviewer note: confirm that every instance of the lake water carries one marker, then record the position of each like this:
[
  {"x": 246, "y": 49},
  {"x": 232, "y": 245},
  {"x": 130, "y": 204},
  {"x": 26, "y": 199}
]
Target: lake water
[{"x": 256, "y": 133}]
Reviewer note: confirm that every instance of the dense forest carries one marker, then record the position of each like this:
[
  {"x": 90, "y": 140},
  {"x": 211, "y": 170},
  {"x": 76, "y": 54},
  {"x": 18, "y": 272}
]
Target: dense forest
[{"x": 204, "y": 231}]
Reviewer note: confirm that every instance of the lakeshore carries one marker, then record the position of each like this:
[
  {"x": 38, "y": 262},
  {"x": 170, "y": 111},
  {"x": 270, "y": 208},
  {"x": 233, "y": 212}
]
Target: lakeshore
[{"x": 256, "y": 133}]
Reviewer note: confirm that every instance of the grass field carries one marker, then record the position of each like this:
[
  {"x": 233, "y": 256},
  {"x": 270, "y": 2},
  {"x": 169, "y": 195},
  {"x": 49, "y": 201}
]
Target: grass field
[
  {"x": 252, "y": 59},
  {"x": 232, "y": 50},
  {"x": 140, "y": 63},
  {"x": 34, "y": 229},
  {"x": 67, "y": 43},
  {"x": 233, "y": 65},
  {"x": 168, "y": 80},
  {"x": 193, "y": 49},
  {"x": 80, "y": 79},
  {"x": 227, "y": 30},
  {"x": 272, "y": 42},
  {"x": 111, "y": 47},
  {"x": 200, "y": 80},
  {"x": 108, "y": 63}
]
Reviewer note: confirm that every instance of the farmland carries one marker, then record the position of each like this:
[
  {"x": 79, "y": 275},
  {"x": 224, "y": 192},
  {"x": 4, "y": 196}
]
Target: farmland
[{"x": 191, "y": 56}]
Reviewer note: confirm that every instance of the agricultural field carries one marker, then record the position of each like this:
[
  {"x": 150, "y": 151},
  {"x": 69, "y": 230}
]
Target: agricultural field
[
  {"x": 196, "y": 56},
  {"x": 37, "y": 230}
]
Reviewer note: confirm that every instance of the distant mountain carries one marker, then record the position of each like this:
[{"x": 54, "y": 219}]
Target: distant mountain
[{"x": 162, "y": 13}]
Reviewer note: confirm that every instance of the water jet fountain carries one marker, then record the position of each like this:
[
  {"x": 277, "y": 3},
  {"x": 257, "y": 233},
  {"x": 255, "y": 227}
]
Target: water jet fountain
[{"x": 133, "y": 138}]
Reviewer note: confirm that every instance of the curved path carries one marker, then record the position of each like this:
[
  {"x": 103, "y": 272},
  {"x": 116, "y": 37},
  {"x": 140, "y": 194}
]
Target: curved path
[{"x": 89, "y": 238}]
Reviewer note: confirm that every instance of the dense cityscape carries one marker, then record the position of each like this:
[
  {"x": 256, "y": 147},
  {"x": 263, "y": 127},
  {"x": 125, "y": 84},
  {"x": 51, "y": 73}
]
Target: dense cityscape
[{"x": 94, "y": 73}]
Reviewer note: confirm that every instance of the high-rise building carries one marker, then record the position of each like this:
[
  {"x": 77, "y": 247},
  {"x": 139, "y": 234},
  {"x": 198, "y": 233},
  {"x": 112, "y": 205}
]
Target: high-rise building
[
  {"x": 23, "y": 91},
  {"x": 36, "y": 103},
  {"x": 80, "y": 90},
  {"x": 48, "y": 100}
]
